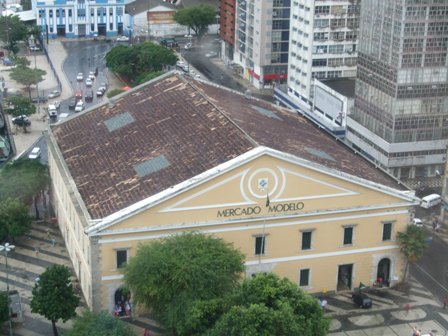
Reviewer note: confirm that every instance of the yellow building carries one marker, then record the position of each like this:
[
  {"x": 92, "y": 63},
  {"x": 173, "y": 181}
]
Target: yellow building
[{"x": 178, "y": 155}]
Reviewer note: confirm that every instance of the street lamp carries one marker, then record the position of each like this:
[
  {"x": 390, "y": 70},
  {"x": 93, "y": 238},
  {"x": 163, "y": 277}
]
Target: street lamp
[{"x": 7, "y": 248}]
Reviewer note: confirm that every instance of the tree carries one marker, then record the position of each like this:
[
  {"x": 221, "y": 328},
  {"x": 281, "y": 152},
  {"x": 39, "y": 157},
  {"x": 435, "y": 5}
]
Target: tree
[
  {"x": 102, "y": 324},
  {"x": 196, "y": 18},
  {"x": 169, "y": 275},
  {"x": 27, "y": 76},
  {"x": 267, "y": 305},
  {"x": 19, "y": 105},
  {"x": 12, "y": 30},
  {"x": 413, "y": 243},
  {"x": 25, "y": 180},
  {"x": 26, "y": 4},
  {"x": 15, "y": 220},
  {"x": 53, "y": 296},
  {"x": 4, "y": 307},
  {"x": 139, "y": 61}
]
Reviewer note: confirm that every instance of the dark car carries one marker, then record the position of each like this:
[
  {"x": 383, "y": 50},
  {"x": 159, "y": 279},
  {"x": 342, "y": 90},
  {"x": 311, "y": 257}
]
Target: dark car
[
  {"x": 362, "y": 300},
  {"x": 72, "y": 104},
  {"x": 89, "y": 96},
  {"x": 22, "y": 120},
  {"x": 39, "y": 99}
]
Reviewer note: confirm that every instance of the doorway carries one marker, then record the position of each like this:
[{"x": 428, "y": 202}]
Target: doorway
[
  {"x": 383, "y": 272},
  {"x": 345, "y": 277}
]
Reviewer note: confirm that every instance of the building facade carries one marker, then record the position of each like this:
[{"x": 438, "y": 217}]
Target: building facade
[
  {"x": 227, "y": 14},
  {"x": 400, "y": 117},
  {"x": 79, "y": 18},
  {"x": 262, "y": 41},
  {"x": 323, "y": 45},
  {"x": 313, "y": 212}
]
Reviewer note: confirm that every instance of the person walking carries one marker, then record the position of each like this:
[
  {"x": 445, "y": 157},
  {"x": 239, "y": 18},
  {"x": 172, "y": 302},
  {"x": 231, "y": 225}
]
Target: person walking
[{"x": 445, "y": 302}]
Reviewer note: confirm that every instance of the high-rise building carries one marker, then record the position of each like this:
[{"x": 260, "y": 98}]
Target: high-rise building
[
  {"x": 323, "y": 46},
  {"x": 227, "y": 27},
  {"x": 400, "y": 117},
  {"x": 262, "y": 40}
]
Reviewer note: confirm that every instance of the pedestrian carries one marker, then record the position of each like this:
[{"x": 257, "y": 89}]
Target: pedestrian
[
  {"x": 434, "y": 224},
  {"x": 146, "y": 332},
  {"x": 445, "y": 302},
  {"x": 48, "y": 233},
  {"x": 416, "y": 332},
  {"x": 36, "y": 250},
  {"x": 407, "y": 307},
  {"x": 438, "y": 226},
  {"x": 53, "y": 242}
]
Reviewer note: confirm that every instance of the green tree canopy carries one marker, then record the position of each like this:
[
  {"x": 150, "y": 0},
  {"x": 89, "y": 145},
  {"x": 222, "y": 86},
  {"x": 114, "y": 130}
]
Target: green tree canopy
[
  {"x": 53, "y": 296},
  {"x": 25, "y": 180},
  {"x": 169, "y": 275},
  {"x": 196, "y": 18},
  {"x": 12, "y": 30},
  {"x": 102, "y": 324},
  {"x": 27, "y": 76},
  {"x": 262, "y": 306},
  {"x": 4, "y": 307},
  {"x": 413, "y": 243},
  {"x": 139, "y": 61},
  {"x": 15, "y": 220},
  {"x": 19, "y": 105}
]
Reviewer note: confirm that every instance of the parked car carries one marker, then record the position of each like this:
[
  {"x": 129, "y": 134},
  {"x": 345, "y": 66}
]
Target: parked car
[
  {"x": 80, "y": 77},
  {"x": 56, "y": 103},
  {"x": 89, "y": 96},
  {"x": 72, "y": 104},
  {"x": 362, "y": 300},
  {"x": 89, "y": 82},
  {"x": 180, "y": 64},
  {"x": 122, "y": 38},
  {"x": 39, "y": 99},
  {"x": 34, "y": 48},
  {"x": 417, "y": 222},
  {"x": 22, "y": 120},
  {"x": 54, "y": 94},
  {"x": 79, "y": 106},
  {"x": 34, "y": 154},
  {"x": 100, "y": 91}
]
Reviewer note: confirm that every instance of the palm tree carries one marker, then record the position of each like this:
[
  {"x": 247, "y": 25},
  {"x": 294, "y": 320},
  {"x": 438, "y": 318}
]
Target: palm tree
[{"x": 413, "y": 243}]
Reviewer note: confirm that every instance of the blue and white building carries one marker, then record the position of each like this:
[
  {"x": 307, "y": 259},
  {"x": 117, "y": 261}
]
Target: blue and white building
[{"x": 80, "y": 18}]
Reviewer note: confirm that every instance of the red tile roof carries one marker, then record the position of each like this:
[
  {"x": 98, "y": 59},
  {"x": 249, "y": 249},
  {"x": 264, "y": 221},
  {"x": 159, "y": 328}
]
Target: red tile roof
[{"x": 176, "y": 130}]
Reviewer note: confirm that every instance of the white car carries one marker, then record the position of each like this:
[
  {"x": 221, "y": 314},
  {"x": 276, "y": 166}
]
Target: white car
[
  {"x": 79, "y": 106},
  {"x": 89, "y": 82},
  {"x": 54, "y": 94},
  {"x": 34, "y": 154},
  {"x": 180, "y": 64},
  {"x": 417, "y": 222},
  {"x": 92, "y": 75},
  {"x": 80, "y": 77},
  {"x": 211, "y": 54},
  {"x": 122, "y": 38}
]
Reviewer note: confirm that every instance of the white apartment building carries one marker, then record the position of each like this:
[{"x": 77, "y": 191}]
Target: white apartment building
[
  {"x": 79, "y": 18},
  {"x": 262, "y": 40},
  {"x": 323, "y": 45}
]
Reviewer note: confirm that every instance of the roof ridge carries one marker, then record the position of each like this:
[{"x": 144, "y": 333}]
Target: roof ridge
[{"x": 252, "y": 140}]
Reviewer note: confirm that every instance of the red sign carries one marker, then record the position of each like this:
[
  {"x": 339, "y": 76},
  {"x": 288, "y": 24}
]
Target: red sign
[
  {"x": 253, "y": 74},
  {"x": 269, "y": 77}
]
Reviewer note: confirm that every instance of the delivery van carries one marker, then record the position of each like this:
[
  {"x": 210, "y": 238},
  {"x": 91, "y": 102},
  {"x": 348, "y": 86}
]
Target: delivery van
[{"x": 430, "y": 200}]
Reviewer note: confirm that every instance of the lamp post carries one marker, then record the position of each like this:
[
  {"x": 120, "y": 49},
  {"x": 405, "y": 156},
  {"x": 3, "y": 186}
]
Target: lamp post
[{"x": 7, "y": 248}]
